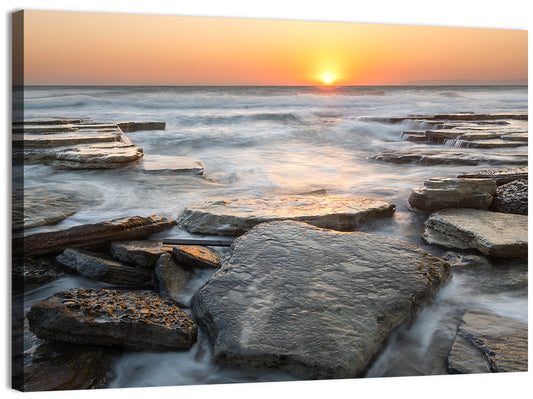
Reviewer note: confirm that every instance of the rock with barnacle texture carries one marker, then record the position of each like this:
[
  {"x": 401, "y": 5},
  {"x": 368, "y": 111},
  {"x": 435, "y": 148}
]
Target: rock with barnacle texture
[
  {"x": 315, "y": 302},
  {"x": 134, "y": 320},
  {"x": 441, "y": 193},
  {"x": 235, "y": 216},
  {"x": 511, "y": 198}
]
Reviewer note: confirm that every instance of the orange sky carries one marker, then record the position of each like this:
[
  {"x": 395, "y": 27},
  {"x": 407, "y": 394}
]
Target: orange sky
[{"x": 127, "y": 49}]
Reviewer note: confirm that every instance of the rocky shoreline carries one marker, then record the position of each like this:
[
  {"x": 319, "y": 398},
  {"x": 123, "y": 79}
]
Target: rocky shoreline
[{"x": 299, "y": 289}]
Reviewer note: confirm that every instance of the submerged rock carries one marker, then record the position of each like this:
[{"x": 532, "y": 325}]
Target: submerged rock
[
  {"x": 171, "y": 277},
  {"x": 486, "y": 342},
  {"x": 511, "y": 198},
  {"x": 441, "y": 193},
  {"x": 99, "y": 268},
  {"x": 129, "y": 320},
  {"x": 500, "y": 176},
  {"x": 135, "y": 227},
  {"x": 235, "y": 216},
  {"x": 491, "y": 233},
  {"x": 317, "y": 303},
  {"x": 166, "y": 164},
  {"x": 197, "y": 256},
  {"x": 59, "y": 366},
  {"x": 139, "y": 253}
]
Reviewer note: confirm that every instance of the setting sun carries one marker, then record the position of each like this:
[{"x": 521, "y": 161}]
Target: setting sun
[{"x": 328, "y": 78}]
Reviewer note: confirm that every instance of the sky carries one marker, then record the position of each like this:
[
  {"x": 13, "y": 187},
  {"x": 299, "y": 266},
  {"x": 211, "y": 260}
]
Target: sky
[
  {"x": 113, "y": 48},
  {"x": 130, "y": 49}
]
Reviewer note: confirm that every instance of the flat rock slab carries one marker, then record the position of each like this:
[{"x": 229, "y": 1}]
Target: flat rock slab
[
  {"x": 492, "y": 233},
  {"x": 66, "y": 139},
  {"x": 129, "y": 320},
  {"x": 315, "y": 302},
  {"x": 166, "y": 164},
  {"x": 45, "y": 205},
  {"x": 143, "y": 253},
  {"x": 99, "y": 268},
  {"x": 446, "y": 157},
  {"x": 197, "y": 256},
  {"x": 235, "y": 216},
  {"x": 500, "y": 176},
  {"x": 130, "y": 228},
  {"x": 441, "y": 193},
  {"x": 128, "y": 127},
  {"x": 486, "y": 342}
]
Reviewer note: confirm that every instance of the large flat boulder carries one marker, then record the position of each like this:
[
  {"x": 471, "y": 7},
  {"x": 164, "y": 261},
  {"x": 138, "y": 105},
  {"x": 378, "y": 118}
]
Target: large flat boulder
[
  {"x": 450, "y": 157},
  {"x": 28, "y": 140},
  {"x": 130, "y": 320},
  {"x": 235, "y": 216},
  {"x": 491, "y": 233},
  {"x": 486, "y": 342},
  {"x": 129, "y": 228},
  {"x": 99, "y": 268},
  {"x": 501, "y": 176},
  {"x": 315, "y": 302},
  {"x": 441, "y": 193}
]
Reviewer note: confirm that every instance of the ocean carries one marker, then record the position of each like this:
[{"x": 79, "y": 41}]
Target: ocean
[{"x": 269, "y": 141}]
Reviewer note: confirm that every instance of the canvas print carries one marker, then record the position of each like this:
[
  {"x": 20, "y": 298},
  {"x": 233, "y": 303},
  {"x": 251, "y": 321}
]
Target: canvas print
[{"x": 202, "y": 200}]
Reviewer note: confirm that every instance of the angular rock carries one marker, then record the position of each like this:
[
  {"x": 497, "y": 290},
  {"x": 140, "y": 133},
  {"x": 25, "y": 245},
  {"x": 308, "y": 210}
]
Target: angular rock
[
  {"x": 67, "y": 366},
  {"x": 500, "y": 176},
  {"x": 488, "y": 143},
  {"x": 50, "y": 121},
  {"x": 139, "y": 253},
  {"x": 235, "y": 216},
  {"x": 466, "y": 260},
  {"x": 66, "y": 138},
  {"x": 128, "y": 127},
  {"x": 441, "y": 193},
  {"x": 317, "y": 303},
  {"x": 446, "y": 157},
  {"x": 171, "y": 277},
  {"x": 99, "y": 268},
  {"x": 166, "y": 164},
  {"x": 130, "y": 320},
  {"x": 197, "y": 256},
  {"x": 130, "y": 228},
  {"x": 492, "y": 233},
  {"x": 486, "y": 342},
  {"x": 511, "y": 198}
]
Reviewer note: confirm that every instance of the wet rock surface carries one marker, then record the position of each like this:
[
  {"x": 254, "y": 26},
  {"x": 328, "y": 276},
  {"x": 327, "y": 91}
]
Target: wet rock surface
[
  {"x": 317, "y": 303},
  {"x": 197, "y": 256},
  {"x": 500, "y": 176},
  {"x": 132, "y": 320},
  {"x": 171, "y": 277},
  {"x": 143, "y": 253},
  {"x": 486, "y": 342},
  {"x": 166, "y": 164},
  {"x": 235, "y": 216},
  {"x": 442, "y": 193},
  {"x": 512, "y": 198},
  {"x": 99, "y": 268},
  {"x": 491, "y": 233},
  {"x": 129, "y": 228},
  {"x": 33, "y": 271}
]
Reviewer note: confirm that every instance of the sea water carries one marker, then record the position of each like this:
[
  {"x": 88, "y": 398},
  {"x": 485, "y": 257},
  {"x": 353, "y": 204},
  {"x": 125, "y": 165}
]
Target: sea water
[{"x": 270, "y": 141}]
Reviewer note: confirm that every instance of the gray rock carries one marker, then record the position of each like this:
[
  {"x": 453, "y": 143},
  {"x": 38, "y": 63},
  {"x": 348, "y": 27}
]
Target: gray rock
[
  {"x": 129, "y": 228},
  {"x": 501, "y": 176},
  {"x": 99, "y": 268},
  {"x": 129, "y": 320},
  {"x": 511, "y": 198},
  {"x": 171, "y": 277},
  {"x": 315, "y": 302},
  {"x": 68, "y": 138},
  {"x": 235, "y": 216},
  {"x": 197, "y": 256},
  {"x": 441, "y": 193},
  {"x": 491, "y": 233},
  {"x": 449, "y": 157},
  {"x": 142, "y": 253},
  {"x": 488, "y": 342},
  {"x": 466, "y": 260},
  {"x": 166, "y": 164}
]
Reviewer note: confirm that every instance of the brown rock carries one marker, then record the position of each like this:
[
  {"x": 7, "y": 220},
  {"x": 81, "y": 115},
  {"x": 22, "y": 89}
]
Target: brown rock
[
  {"x": 197, "y": 256},
  {"x": 139, "y": 253},
  {"x": 171, "y": 277}
]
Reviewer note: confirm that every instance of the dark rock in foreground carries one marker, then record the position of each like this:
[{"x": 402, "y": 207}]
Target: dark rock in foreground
[
  {"x": 317, "y": 303},
  {"x": 130, "y": 228},
  {"x": 236, "y": 216},
  {"x": 491, "y": 233},
  {"x": 129, "y": 320},
  {"x": 486, "y": 342},
  {"x": 59, "y": 366},
  {"x": 511, "y": 198},
  {"x": 441, "y": 193},
  {"x": 102, "y": 269}
]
